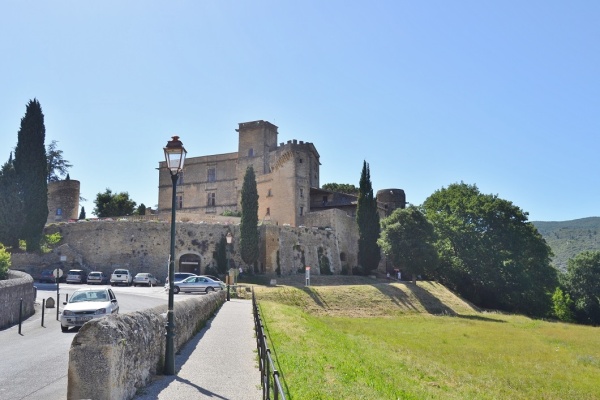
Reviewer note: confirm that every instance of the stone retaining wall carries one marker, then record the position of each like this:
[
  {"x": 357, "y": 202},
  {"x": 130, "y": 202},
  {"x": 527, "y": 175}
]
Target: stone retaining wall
[
  {"x": 19, "y": 285},
  {"x": 111, "y": 358}
]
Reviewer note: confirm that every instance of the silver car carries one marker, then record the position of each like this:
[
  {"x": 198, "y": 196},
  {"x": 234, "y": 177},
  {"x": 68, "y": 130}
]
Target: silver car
[
  {"x": 197, "y": 284},
  {"x": 145, "y": 279},
  {"x": 86, "y": 304}
]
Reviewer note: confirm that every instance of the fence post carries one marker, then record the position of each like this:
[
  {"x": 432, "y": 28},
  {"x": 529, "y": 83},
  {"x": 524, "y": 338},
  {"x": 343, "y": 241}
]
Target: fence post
[
  {"x": 20, "y": 314},
  {"x": 43, "y": 308},
  {"x": 57, "y": 304}
]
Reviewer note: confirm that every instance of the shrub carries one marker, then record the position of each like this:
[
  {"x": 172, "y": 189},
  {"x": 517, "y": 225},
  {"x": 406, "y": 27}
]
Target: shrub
[{"x": 4, "y": 262}]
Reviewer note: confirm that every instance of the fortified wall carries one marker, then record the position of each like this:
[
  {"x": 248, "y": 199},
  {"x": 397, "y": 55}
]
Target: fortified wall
[{"x": 144, "y": 247}]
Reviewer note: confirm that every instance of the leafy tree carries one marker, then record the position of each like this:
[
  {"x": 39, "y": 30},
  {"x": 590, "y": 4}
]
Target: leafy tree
[
  {"x": 341, "y": 188},
  {"x": 32, "y": 171},
  {"x": 407, "y": 240},
  {"x": 57, "y": 166},
  {"x": 113, "y": 205},
  {"x": 249, "y": 219},
  {"x": 367, "y": 218},
  {"x": 11, "y": 206},
  {"x": 4, "y": 262},
  {"x": 141, "y": 210},
  {"x": 582, "y": 283},
  {"x": 82, "y": 213},
  {"x": 489, "y": 252},
  {"x": 562, "y": 306}
]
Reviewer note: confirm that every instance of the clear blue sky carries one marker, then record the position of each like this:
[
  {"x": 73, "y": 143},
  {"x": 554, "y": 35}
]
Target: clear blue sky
[{"x": 504, "y": 95}]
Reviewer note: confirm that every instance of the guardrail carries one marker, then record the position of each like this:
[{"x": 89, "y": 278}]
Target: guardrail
[{"x": 269, "y": 376}]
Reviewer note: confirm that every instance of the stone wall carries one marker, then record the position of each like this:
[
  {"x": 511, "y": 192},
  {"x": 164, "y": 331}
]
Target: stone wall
[
  {"x": 19, "y": 285},
  {"x": 112, "y": 357},
  {"x": 144, "y": 246}
]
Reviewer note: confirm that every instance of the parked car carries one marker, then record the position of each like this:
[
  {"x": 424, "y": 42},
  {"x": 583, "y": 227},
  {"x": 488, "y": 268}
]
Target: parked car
[
  {"x": 97, "y": 278},
  {"x": 121, "y": 277},
  {"x": 197, "y": 284},
  {"x": 76, "y": 276},
  {"x": 86, "y": 304},
  {"x": 146, "y": 279},
  {"x": 47, "y": 275},
  {"x": 179, "y": 276}
]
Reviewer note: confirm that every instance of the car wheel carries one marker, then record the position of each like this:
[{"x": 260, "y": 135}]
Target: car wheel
[
  {"x": 210, "y": 289},
  {"x": 175, "y": 289},
  {"x": 64, "y": 328}
]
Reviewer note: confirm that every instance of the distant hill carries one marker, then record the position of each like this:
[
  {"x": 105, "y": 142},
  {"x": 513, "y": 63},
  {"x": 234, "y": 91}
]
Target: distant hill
[{"x": 569, "y": 238}]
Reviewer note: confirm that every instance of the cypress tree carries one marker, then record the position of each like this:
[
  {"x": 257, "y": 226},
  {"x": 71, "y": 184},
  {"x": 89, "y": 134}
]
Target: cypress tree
[
  {"x": 367, "y": 219},
  {"x": 249, "y": 220},
  {"x": 32, "y": 170},
  {"x": 11, "y": 206},
  {"x": 82, "y": 213}
]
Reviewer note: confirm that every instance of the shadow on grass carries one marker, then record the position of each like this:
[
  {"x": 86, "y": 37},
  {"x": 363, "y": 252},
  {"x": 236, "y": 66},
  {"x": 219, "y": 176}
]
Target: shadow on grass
[
  {"x": 315, "y": 296},
  {"x": 480, "y": 318}
]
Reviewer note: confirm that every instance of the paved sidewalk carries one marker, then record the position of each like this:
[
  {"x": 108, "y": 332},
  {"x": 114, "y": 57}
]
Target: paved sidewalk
[{"x": 220, "y": 362}]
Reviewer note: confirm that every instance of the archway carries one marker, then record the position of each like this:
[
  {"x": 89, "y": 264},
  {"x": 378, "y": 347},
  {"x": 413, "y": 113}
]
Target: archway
[{"x": 190, "y": 263}]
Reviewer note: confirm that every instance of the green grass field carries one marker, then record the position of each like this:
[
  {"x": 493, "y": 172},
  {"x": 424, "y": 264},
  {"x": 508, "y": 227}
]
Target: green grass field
[{"x": 395, "y": 341}]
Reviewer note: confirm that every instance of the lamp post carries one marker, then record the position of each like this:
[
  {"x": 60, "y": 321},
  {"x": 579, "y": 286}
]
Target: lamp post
[
  {"x": 229, "y": 238},
  {"x": 174, "y": 156}
]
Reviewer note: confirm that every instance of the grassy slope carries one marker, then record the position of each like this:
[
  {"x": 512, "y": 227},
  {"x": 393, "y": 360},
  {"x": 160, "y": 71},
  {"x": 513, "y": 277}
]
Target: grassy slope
[
  {"x": 377, "y": 340},
  {"x": 569, "y": 238}
]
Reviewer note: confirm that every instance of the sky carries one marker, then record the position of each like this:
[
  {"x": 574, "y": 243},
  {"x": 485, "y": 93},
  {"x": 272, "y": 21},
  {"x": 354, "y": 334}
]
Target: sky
[{"x": 504, "y": 95}]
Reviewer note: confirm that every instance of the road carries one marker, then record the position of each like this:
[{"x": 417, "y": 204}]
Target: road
[{"x": 34, "y": 364}]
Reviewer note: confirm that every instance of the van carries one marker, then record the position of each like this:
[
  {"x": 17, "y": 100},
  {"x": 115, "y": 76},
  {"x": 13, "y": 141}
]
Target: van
[{"x": 76, "y": 276}]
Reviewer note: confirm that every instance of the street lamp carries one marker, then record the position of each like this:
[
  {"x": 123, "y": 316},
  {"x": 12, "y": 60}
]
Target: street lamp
[
  {"x": 174, "y": 156},
  {"x": 229, "y": 238}
]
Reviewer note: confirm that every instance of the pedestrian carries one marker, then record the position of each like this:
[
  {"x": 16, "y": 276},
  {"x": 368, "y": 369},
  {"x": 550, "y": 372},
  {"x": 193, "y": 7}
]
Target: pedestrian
[
  {"x": 388, "y": 276},
  {"x": 399, "y": 276},
  {"x": 241, "y": 270}
]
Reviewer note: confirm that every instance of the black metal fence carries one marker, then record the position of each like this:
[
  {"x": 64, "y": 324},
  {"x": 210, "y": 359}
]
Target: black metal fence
[{"x": 269, "y": 376}]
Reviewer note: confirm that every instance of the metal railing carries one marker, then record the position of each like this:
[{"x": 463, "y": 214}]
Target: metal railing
[{"x": 269, "y": 376}]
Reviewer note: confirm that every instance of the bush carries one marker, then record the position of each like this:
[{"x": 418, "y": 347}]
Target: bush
[{"x": 4, "y": 262}]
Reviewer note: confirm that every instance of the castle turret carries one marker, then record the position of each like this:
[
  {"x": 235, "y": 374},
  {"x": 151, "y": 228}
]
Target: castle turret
[
  {"x": 391, "y": 199},
  {"x": 63, "y": 200}
]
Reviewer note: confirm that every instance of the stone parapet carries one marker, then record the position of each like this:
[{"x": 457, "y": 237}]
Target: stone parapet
[
  {"x": 112, "y": 357},
  {"x": 19, "y": 285}
]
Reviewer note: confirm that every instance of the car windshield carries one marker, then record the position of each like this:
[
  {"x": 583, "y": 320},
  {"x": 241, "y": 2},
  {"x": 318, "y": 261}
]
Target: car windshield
[{"x": 95, "y": 295}]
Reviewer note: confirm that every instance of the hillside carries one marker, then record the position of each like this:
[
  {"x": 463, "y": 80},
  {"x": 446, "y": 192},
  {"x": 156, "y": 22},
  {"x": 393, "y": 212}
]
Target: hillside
[
  {"x": 569, "y": 238},
  {"x": 354, "y": 296}
]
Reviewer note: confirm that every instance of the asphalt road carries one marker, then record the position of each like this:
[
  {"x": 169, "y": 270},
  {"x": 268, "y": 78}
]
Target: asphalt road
[{"x": 34, "y": 363}]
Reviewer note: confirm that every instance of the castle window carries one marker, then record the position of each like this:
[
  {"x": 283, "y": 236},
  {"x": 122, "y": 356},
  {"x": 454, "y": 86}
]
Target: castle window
[
  {"x": 180, "y": 201},
  {"x": 250, "y": 152},
  {"x": 59, "y": 211},
  {"x": 211, "y": 202},
  {"x": 212, "y": 175},
  {"x": 301, "y": 210},
  {"x": 268, "y": 210},
  {"x": 269, "y": 194},
  {"x": 180, "y": 178},
  {"x": 301, "y": 192},
  {"x": 342, "y": 256},
  {"x": 300, "y": 161}
]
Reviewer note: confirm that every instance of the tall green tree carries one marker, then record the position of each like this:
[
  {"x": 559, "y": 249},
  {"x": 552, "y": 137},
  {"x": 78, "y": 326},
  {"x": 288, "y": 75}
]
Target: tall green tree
[
  {"x": 32, "y": 171},
  {"x": 367, "y": 217},
  {"x": 249, "y": 220},
  {"x": 141, "y": 210},
  {"x": 221, "y": 256},
  {"x": 582, "y": 283},
  {"x": 113, "y": 205},
  {"x": 11, "y": 206},
  {"x": 82, "y": 213},
  {"x": 57, "y": 165},
  {"x": 407, "y": 239},
  {"x": 489, "y": 252}
]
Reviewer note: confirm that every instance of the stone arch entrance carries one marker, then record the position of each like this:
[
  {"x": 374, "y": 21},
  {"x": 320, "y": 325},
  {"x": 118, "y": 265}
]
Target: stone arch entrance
[{"x": 190, "y": 263}]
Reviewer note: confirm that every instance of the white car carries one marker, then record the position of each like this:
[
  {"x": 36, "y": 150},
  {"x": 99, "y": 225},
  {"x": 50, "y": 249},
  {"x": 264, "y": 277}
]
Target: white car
[
  {"x": 121, "y": 277},
  {"x": 145, "y": 279},
  {"x": 86, "y": 304}
]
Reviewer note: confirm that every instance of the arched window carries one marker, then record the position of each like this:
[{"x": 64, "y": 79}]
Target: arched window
[{"x": 250, "y": 152}]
